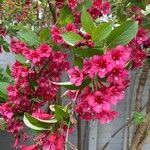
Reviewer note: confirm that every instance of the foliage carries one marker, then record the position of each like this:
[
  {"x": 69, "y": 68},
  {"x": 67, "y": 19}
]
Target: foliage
[{"x": 105, "y": 39}]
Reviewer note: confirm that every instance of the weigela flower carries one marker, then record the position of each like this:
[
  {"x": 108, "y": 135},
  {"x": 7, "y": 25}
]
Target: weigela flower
[
  {"x": 76, "y": 76},
  {"x": 41, "y": 115},
  {"x": 106, "y": 116},
  {"x": 115, "y": 94},
  {"x": 56, "y": 35},
  {"x": 31, "y": 147},
  {"x": 98, "y": 101},
  {"x": 120, "y": 55},
  {"x": 117, "y": 75},
  {"x": 72, "y": 4},
  {"x": 44, "y": 51},
  {"x": 102, "y": 65}
]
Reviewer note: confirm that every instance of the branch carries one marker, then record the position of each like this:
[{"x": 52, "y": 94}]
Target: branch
[{"x": 120, "y": 129}]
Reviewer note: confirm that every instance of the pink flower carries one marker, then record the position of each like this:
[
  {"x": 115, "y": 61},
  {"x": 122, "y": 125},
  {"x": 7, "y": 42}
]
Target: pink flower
[
  {"x": 97, "y": 3},
  {"x": 56, "y": 35},
  {"x": 115, "y": 94},
  {"x": 71, "y": 27},
  {"x": 106, "y": 116},
  {"x": 44, "y": 51},
  {"x": 34, "y": 57},
  {"x": 31, "y": 147},
  {"x": 17, "y": 46},
  {"x": 138, "y": 57},
  {"x": 72, "y": 4},
  {"x": 98, "y": 101},
  {"x": 106, "y": 8},
  {"x": 120, "y": 55},
  {"x": 117, "y": 75},
  {"x": 102, "y": 65},
  {"x": 41, "y": 115},
  {"x": 12, "y": 91},
  {"x": 84, "y": 110},
  {"x": 76, "y": 76}
]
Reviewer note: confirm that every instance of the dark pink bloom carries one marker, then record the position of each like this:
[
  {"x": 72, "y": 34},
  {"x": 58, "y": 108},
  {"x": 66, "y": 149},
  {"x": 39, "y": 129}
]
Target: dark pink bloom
[
  {"x": 84, "y": 110},
  {"x": 71, "y": 27},
  {"x": 41, "y": 115},
  {"x": 102, "y": 65},
  {"x": 117, "y": 75},
  {"x": 44, "y": 51},
  {"x": 106, "y": 8},
  {"x": 115, "y": 94},
  {"x": 120, "y": 55},
  {"x": 72, "y": 4},
  {"x": 56, "y": 35},
  {"x": 17, "y": 46},
  {"x": 98, "y": 101},
  {"x": 106, "y": 116},
  {"x": 97, "y": 3},
  {"x": 31, "y": 147},
  {"x": 138, "y": 57},
  {"x": 76, "y": 76}
]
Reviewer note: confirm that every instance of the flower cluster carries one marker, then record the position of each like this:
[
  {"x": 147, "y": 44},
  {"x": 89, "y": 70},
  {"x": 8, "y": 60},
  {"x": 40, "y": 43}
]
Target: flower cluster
[
  {"x": 99, "y": 8},
  {"x": 100, "y": 80},
  {"x": 110, "y": 79},
  {"x": 33, "y": 86}
]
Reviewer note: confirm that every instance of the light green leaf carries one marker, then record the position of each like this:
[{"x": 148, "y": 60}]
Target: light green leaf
[
  {"x": 78, "y": 61},
  {"x": 87, "y": 22},
  {"x": 38, "y": 124},
  {"x": 66, "y": 16},
  {"x": 72, "y": 38},
  {"x": 70, "y": 86},
  {"x": 22, "y": 59},
  {"x": 146, "y": 22},
  {"x": 138, "y": 118},
  {"x": 123, "y": 34},
  {"x": 28, "y": 36},
  {"x": 44, "y": 35},
  {"x": 102, "y": 31},
  {"x": 3, "y": 90},
  {"x": 87, "y": 52},
  {"x": 141, "y": 3}
]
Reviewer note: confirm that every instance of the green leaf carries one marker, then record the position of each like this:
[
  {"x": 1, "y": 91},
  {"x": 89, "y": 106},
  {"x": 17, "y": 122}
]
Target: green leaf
[
  {"x": 141, "y": 3},
  {"x": 2, "y": 1},
  {"x": 72, "y": 38},
  {"x": 87, "y": 22},
  {"x": 33, "y": 84},
  {"x": 61, "y": 114},
  {"x": 44, "y": 35},
  {"x": 139, "y": 118},
  {"x": 28, "y": 36},
  {"x": 2, "y": 124},
  {"x": 70, "y": 86},
  {"x": 22, "y": 59},
  {"x": 87, "y": 52},
  {"x": 78, "y": 61},
  {"x": 6, "y": 48},
  {"x": 3, "y": 90},
  {"x": 85, "y": 83},
  {"x": 146, "y": 22},
  {"x": 66, "y": 16},
  {"x": 8, "y": 71},
  {"x": 102, "y": 31},
  {"x": 38, "y": 124},
  {"x": 123, "y": 34},
  {"x": 86, "y": 4}
]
